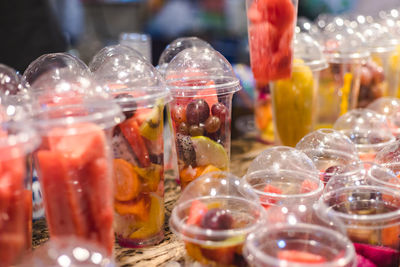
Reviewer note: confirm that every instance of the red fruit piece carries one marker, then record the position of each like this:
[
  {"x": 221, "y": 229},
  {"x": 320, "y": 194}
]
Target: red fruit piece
[
  {"x": 197, "y": 210},
  {"x": 271, "y": 200},
  {"x": 208, "y": 94},
  {"x": 130, "y": 129},
  {"x": 221, "y": 255},
  {"x": 274, "y": 10},
  {"x": 300, "y": 256},
  {"x": 380, "y": 256},
  {"x": 364, "y": 262},
  {"x": 308, "y": 186}
]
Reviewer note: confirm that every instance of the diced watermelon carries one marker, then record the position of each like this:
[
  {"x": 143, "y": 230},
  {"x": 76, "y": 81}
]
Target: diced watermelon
[
  {"x": 197, "y": 210},
  {"x": 300, "y": 256},
  {"x": 209, "y": 94},
  {"x": 130, "y": 129},
  {"x": 308, "y": 186},
  {"x": 11, "y": 246},
  {"x": 280, "y": 13},
  {"x": 265, "y": 199},
  {"x": 380, "y": 256}
]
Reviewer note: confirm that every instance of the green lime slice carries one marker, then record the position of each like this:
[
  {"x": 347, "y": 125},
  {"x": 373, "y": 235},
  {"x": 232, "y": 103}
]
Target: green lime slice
[{"x": 210, "y": 152}]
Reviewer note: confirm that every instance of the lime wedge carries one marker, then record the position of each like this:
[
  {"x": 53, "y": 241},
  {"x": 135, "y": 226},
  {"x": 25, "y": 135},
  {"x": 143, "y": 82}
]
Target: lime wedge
[{"x": 210, "y": 152}]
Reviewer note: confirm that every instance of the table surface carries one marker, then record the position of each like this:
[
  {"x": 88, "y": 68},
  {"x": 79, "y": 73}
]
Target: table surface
[{"x": 243, "y": 151}]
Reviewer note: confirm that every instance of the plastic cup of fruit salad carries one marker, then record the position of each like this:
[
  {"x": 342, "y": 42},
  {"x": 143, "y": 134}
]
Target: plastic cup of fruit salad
[
  {"x": 389, "y": 107},
  {"x": 294, "y": 98},
  {"x": 339, "y": 84},
  {"x": 17, "y": 140},
  {"x": 202, "y": 83},
  {"x": 299, "y": 245},
  {"x": 371, "y": 215},
  {"x": 74, "y": 169},
  {"x": 137, "y": 144},
  {"x": 279, "y": 187},
  {"x": 213, "y": 216}
]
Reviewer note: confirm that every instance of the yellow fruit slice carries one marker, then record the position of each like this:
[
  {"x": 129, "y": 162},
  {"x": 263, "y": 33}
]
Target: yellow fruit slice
[
  {"x": 209, "y": 152},
  {"x": 151, "y": 175},
  {"x": 139, "y": 208},
  {"x": 152, "y": 128},
  {"x": 126, "y": 181},
  {"x": 210, "y": 168}
]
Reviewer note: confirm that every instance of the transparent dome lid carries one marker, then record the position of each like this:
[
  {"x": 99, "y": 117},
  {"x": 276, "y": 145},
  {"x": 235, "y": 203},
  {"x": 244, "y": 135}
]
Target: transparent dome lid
[
  {"x": 10, "y": 81},
  {"x": 282, "y": 157},
  {"x": 177, "y": 46},
  {"x": 129, "y": 77},
  {"x": 389, "y": 157},
  {"x": 389, "y": 107},
  {"x": 378, "y": 38},
  {"x": 327, "y": 148},
  {"x": 343, "y": 44},
  {"x": 52, "y": 63},
  {"x": 308, "y": 53},
  {"x": 195, "y": 69},
  {"x": 365, "y": 127},
  {"x": 68, "y": 251},
  {"x": 195, "y": 217}
]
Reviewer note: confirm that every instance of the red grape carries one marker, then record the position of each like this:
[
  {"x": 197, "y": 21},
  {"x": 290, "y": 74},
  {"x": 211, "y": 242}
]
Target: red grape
[
  {"x": 183, "y": 128},
  {"x": 217, "y": 219},
  {"x": 197, "y": 111},
  {"x": 178, "y": 114},
  {"x": 196, "y": 130},
  {"x": 220, "y": 110},
  {"x": 212, "y": 124}
]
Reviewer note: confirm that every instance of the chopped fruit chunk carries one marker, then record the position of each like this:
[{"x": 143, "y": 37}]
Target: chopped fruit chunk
[
  {"x": 211, "y": 168},
  {"x": 380, "y": 256},
  {"x": 210, "y": 152},
  {"x": 300, "y": 256},
  {"x": 367, "y": 157},
  {"x": 140, "y": 208},
  {"x": 127, "y": 184},
  {"x": 308, "y": 186},
  {"x": 217, "y": 219},
  {"x": 364, "y": 262},
  {"x": 189, "y": 174},
  {"x": 197, "y": 210},
  {"x": 223, "y": 255},
  {"x": 208, "y": 94},
  {"x": 151, "y": 175},
  {"x": 264, "y": 199},
  {"x": 152, "y": 128},
  {"x": 130, "y": 129}
]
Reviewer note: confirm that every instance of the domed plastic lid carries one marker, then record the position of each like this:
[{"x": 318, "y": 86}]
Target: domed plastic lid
[
  {"x": 389, "y": 107},
  {"x": 365, "y": 127},
  {"x": 52, "y": 63},
  {"x": 10, "y": 81},
  {"x": 378, "y": 38},
  {"x": 389, "y": 157},
  {"x": 129, "y": 77},
  {"x": 307, "y": 52},
  {"x": 342, "y": 44},
  {"x": 327, "y": 148},
  {"x": 177, "y": 46},
  {"x": 200, "y": 69},
  {"x": 213, "y": 194},
  {"x": 282, "y": 157}
]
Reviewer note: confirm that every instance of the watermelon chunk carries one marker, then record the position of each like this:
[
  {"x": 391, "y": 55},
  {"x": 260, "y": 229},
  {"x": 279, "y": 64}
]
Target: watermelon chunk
[
  {"x": 308, "y": 186},
  {"x": 196, "y": 212},
  {"x": 300, "y": 256},
  {"x": 209, "y": 95},
  {"x": 380, "y": 256},
  {"x": 269, "y": 189}
]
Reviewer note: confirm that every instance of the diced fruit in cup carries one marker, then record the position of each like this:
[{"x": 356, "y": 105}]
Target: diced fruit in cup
[
  {"x": 139, "y": 208},
  {"x": 151, "y": 176},
  {"x": 367, "y": 157},
  {"x": 269, "y": 189},
  {"x": 209, "y": 152},
  {"x": 126, "y": 181},
  {"x": 300, "y": 256},
  {"x": 196, "y": 213},
  {"x": 152, "y": 128},
  {"x": 217, "y": 219},
  {"x": 197, "y": 111},
  {"x": 185, "y": 149},
  {"x": 329, "y": 172},
  {"x": 308, "y": 186},
  {"x": 379, "y": 255}
]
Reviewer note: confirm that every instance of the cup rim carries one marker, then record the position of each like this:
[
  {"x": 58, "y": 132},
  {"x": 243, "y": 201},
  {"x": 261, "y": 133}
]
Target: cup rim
[
  {"x": 379, "y": 181},
  {"x": 375, "y": 146},
  {"x": 265, "y": 258}
]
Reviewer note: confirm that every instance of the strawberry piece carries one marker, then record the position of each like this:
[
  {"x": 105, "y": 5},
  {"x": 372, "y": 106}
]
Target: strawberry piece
[
  {"x": 380, "y": 256},
  {"x": 308, "y": 186},
  {"x": 269, "y": 189},
  {"x": 197, "y": 210},
  {"x": 130, "y": 129},
  {"x": 300, "y": 256}
]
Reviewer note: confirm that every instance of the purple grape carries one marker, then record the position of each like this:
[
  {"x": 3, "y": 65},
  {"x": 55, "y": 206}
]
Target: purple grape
[
  {"x": 220, "y": 110},
  {"x": 217, "y": 219},
  {"x": 212, "y": 124},
  {"x": 331, "y": 171},
  {"x": 183, "y": 128},
  {"x": 197, "y": 111},
  {"x": 196, "y": 130}
]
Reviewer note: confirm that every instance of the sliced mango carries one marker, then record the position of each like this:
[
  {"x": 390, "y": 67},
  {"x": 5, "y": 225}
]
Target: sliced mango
[
  {"x": 127, "y": 183},
  {"x": 139, "y": 208}
]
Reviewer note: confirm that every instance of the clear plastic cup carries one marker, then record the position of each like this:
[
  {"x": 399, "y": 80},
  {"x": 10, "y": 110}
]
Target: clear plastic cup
[
  {"x": 271, "y": 38},
  {"x": 371, "y": 215},
  {"x": 294, "y": 100},
  {"x": 329, "y": 150},
  {"x": 74, "y": 162},
  {"x": 213, "y": 216},
  {"x": 383, "y": 67},
  {"x": 368, "y": 130},
  {"x": 138, "y": 41},
  {"x": 282, "y": 157},
  {"x": 389, "y": 157},
  {"x": 177, "y": 46},
  {"x": 389, "y": 107},
  {"x": 202, "y": 83},
  {"x": 137, "y": 144},
  {"x": 17, "y": 140},
  {"x": 284, "y": 187},
  {"x": 339, "y": 84},
  {"x": 68, "y": 251},
  {"x": 299, "y": 245}
]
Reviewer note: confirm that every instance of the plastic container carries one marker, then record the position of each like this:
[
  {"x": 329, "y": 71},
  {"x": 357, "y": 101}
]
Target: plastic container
[
  {"x": 213, "y": 216},
  {"x": 329, "y": 150},
  {"x": 339, "y": 84},
  {"x": 284, "y": 187},
  {"x": 138, "y": 41},
  {"x": 74, "y": 161},
  {"x": 294, "y": 100},
  {"x": 10, "y": 81},
  {"x": 389, "y": 107},
  {"x": 282, "y": 157},
  {"x": 202, "y": 83},
  {"x": 367, "y": 129},
  {"x": 137, "y": 144},
  {"x": 271, "y": 37},
  {"x": 17, "y": 140},
  {"x": 371, "y": 215},
  {"x": 389, "y": 157},
  {"x": 177, "y": 46},
  {"x": 384, "y": 67}
]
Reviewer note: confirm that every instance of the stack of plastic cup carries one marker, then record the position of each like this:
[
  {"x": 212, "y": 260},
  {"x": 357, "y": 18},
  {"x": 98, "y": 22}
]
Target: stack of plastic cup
[
  {"x": 371, "y": 215},
  {"x": 294, "y": 100},
  {"x": 345, "y": 51},
  {"x": 202, "y": 83},
  {"x": 137, "y": 143},
  {"x": 73, "y": 162},
  {"x": 381, "y": 75},
  {"x": 389, "y": 107},
  {"x": 368, "y": 130},
  {"x": 330, "y": 151},
  {"x": 213, "y": 216},
  {"x": 282, "y": 157},
  {"x": 300, "y": 236}
]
